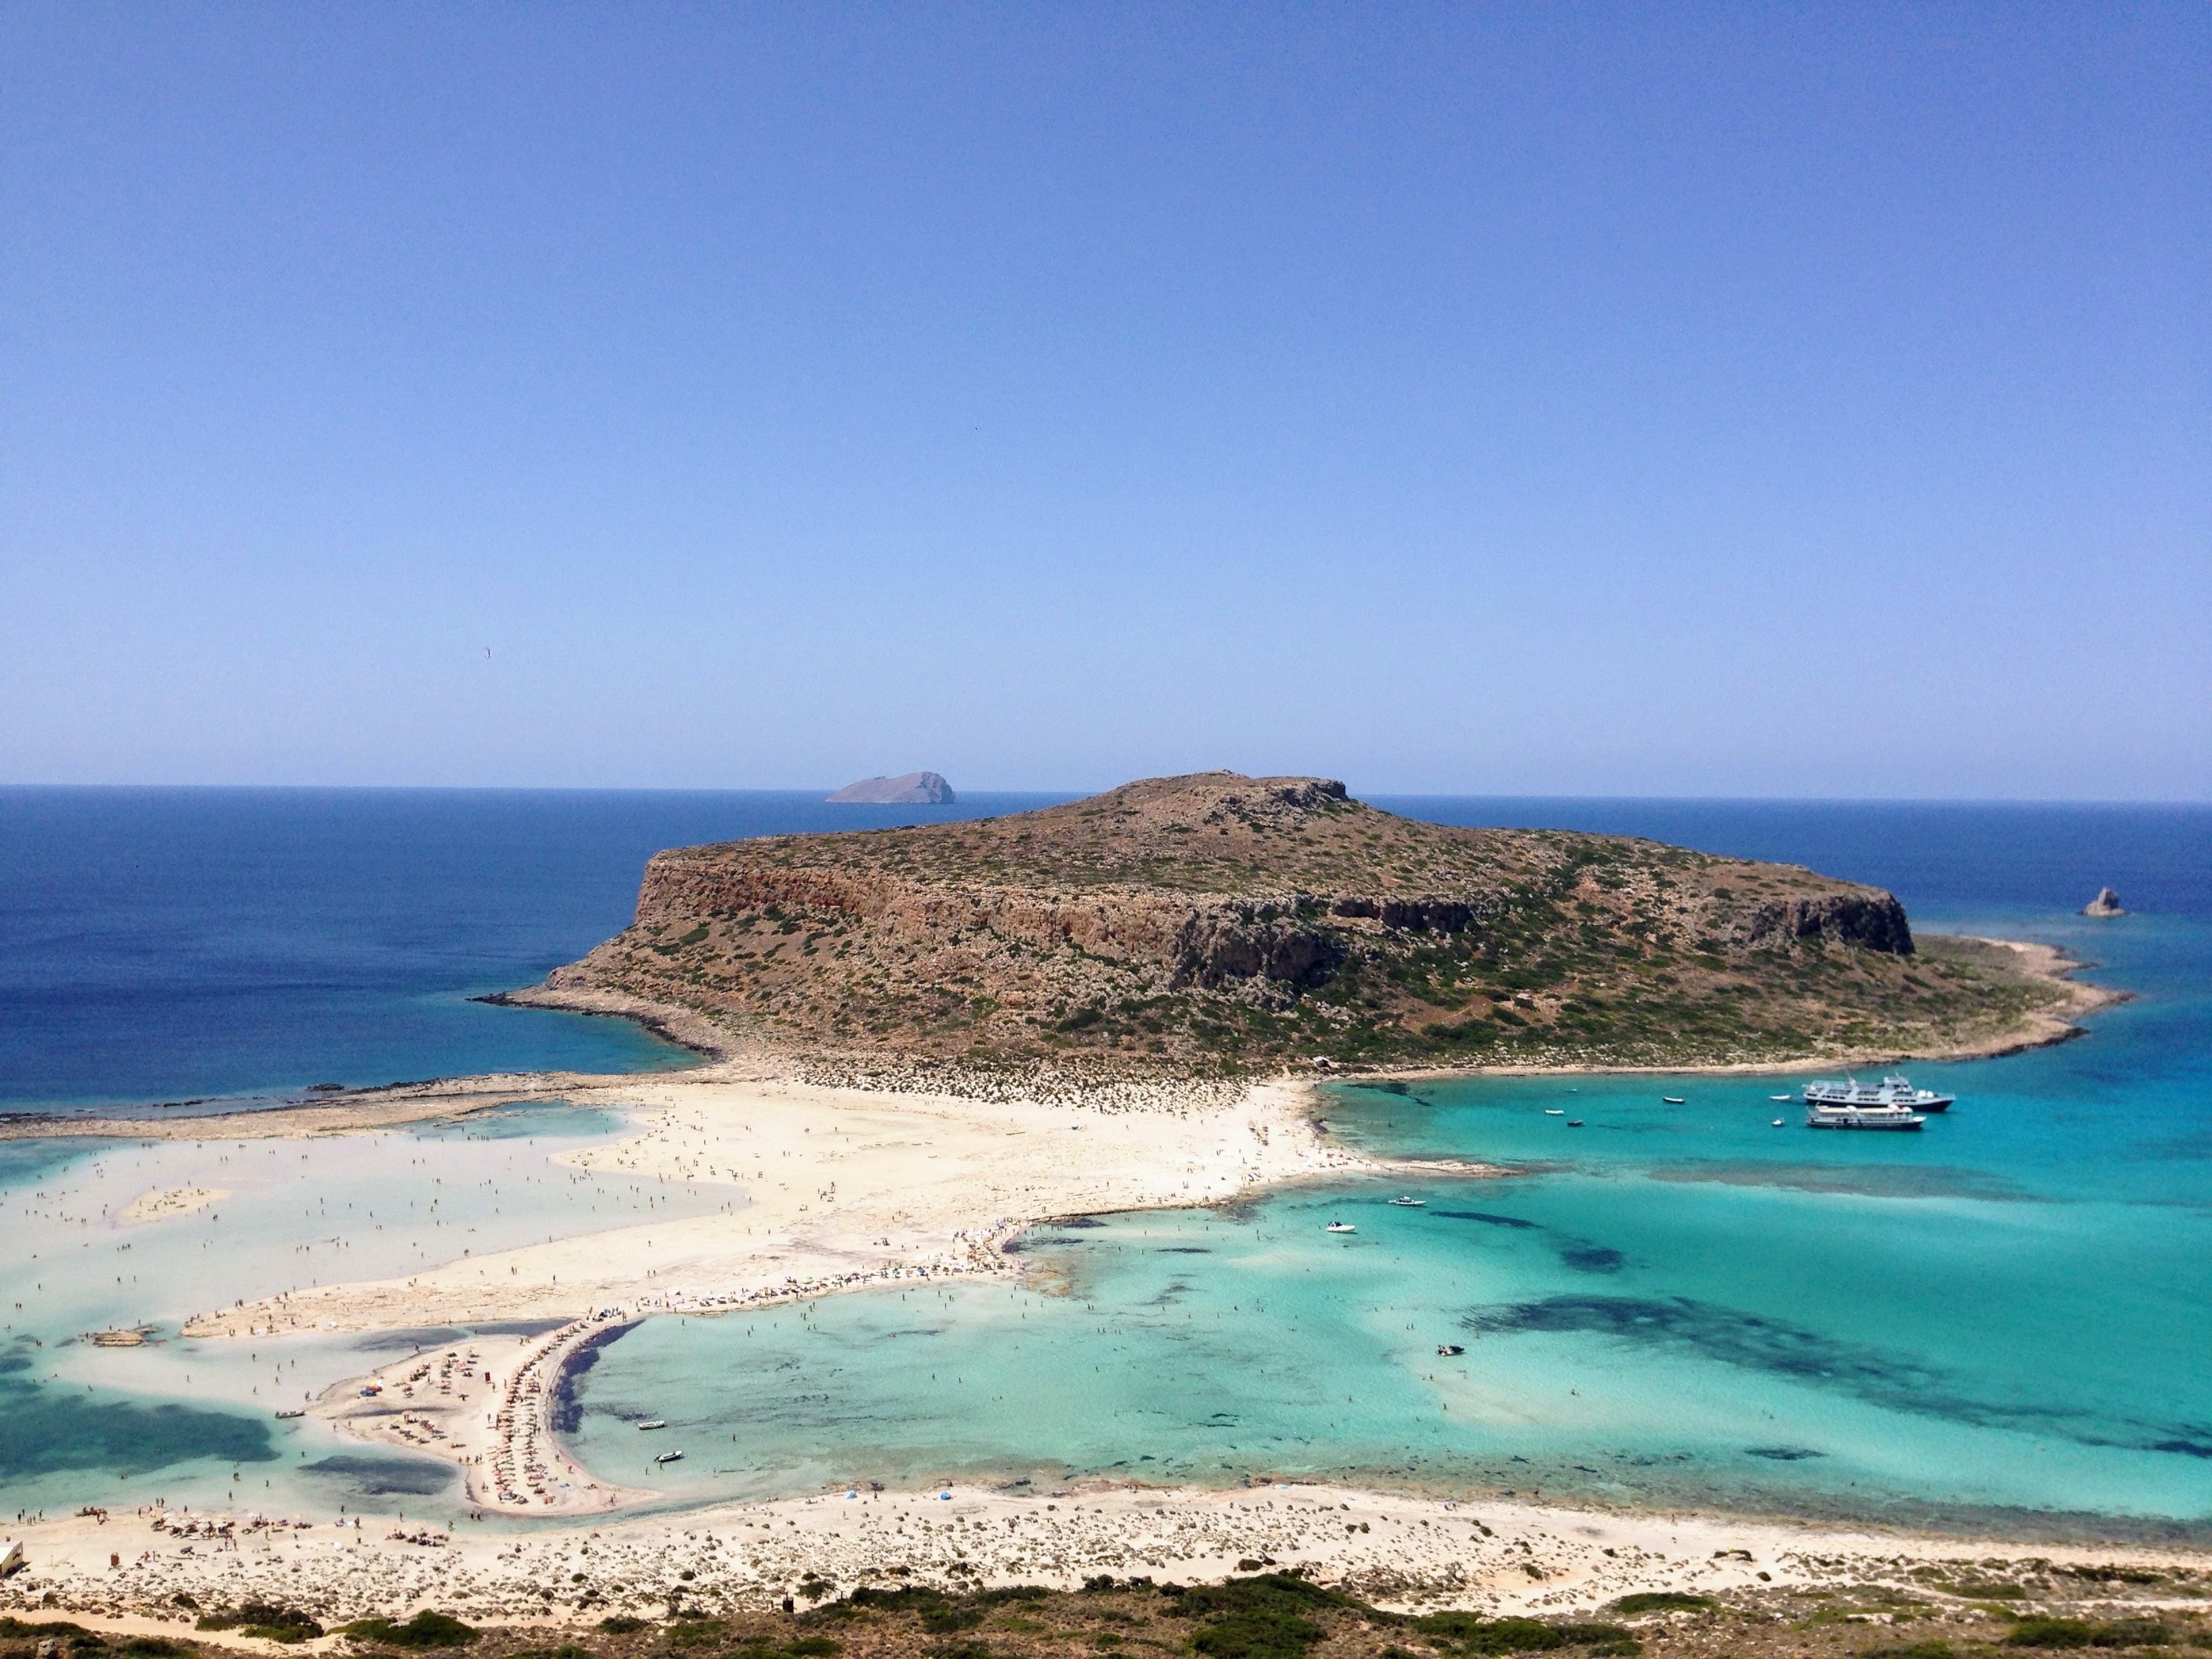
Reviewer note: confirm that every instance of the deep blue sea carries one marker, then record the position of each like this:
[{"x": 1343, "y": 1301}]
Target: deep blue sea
[
  {"x": 2004, "y": 1322},
  {"x": 174, "y": 944}
]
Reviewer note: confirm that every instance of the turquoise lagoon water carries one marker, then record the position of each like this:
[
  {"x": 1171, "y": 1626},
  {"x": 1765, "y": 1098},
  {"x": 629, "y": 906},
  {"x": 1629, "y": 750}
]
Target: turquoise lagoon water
[
  {"x": 2005, "y": 1321},
  {"x": 2002, "y": 1320},
  {"x": 1681, "y": 1305},
  {"x": 194, "y": 1423}
]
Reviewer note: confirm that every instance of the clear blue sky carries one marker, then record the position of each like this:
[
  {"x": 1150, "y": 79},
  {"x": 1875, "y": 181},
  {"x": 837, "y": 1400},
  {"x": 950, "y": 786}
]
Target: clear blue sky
[{"x": 1491, "y": 398}]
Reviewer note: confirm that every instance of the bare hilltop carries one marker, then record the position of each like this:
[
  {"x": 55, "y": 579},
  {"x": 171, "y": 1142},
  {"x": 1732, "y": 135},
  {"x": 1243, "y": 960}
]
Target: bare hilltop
[{"x": 1213, "y": 924}]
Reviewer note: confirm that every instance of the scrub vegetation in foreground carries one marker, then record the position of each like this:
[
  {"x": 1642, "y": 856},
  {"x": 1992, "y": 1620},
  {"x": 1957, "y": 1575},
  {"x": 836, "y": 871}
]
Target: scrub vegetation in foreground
[
  {"x": 1217, "y": 924},
  {"x": 1268, "y": 1615}
]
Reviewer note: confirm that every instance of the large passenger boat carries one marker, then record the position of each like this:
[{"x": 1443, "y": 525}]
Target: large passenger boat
[
  {"x": 1825, "y": 1116},
  {"x": 1894, "y": 1091}
]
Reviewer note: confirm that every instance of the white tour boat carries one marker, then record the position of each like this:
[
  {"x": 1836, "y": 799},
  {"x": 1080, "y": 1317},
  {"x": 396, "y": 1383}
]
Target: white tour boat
[
  {"x": 1825, "y": 1116},
  {"x": 1890, "y": 1091}
]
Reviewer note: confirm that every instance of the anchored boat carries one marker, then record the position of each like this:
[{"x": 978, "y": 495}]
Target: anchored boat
[
  {"x": 1893, "y": 1091},
  {"x": 1823, "y": 1117}
]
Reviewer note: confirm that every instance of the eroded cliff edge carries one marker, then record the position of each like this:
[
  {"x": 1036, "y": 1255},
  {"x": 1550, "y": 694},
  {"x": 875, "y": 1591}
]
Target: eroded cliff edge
[{"x": 1217, "y": 922}]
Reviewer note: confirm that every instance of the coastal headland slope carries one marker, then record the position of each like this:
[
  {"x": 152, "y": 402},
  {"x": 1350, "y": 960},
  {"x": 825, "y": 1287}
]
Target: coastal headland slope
[{"x": 1214, "y": 924}]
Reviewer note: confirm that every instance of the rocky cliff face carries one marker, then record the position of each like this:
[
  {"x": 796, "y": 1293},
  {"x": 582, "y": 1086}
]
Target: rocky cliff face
[
  {"x": 1868, "y": 919},
  {"x": 1221, "y": 919}
]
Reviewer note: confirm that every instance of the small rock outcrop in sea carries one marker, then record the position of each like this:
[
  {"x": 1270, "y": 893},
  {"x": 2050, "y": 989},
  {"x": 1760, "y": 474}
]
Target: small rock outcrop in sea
[
  {"x": 2107, "y": 903},
  {"x": 909, "y": 789}
]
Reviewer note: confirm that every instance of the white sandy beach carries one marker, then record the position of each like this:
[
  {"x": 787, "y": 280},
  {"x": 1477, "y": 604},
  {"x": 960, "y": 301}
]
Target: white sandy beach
[
  {"x": 1497, "y": 1556},
  {"x": 170, "y": 1201},
  {"x": 843, "y": 1190}
]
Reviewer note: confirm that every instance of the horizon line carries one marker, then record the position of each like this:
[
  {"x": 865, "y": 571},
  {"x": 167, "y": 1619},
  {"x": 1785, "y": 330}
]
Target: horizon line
[{"x": 1065, "y": 793}]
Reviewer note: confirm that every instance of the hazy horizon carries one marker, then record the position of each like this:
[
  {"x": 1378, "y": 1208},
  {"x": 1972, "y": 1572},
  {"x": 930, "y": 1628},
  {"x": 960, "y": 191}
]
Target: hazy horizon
[
  {"x": 1723, "y": 402},
  {"x": 1371, "y": 793}
]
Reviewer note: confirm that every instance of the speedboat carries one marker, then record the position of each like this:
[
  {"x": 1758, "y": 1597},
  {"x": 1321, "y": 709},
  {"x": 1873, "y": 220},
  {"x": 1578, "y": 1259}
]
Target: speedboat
[
  {"x": 1574, "y": 1123},
  {"x": 653, "y": 1423},
  {"x": 1555, "y": 1111},
  {"x": 1674, "y": 1100},
  {"x": 1778, "y": 1122},
  {"x": 668, "y": 1457},
  {"x": 1782, "y": 1096},
  {"x": 1404, "y": 1203},
  {"x": 1340, "y": 1227},
  {"x": 291, "y": 1411},
  {"x": 1448, "y": 1349}
]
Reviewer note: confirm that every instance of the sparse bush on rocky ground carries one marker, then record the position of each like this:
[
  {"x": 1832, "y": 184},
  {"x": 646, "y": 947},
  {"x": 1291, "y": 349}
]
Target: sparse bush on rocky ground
[
  {"x": 1272, "y": 1615},
  {"x": 426, "y": 1629}
]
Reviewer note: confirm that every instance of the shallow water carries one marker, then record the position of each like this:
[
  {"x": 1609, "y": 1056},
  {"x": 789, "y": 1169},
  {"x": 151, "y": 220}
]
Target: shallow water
[
  {"x": 2001, "y": 1321},
  {"x": 193, "y": 1422}
]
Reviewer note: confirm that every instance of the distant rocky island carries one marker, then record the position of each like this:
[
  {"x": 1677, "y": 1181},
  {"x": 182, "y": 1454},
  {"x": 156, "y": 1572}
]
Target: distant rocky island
[
  {"x": 2107, "y": 903},
  {"x": 1217, "y": 923},
  {"x": 908, "y": 789}
]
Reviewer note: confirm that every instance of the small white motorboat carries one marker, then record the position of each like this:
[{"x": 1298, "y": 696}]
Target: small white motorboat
[
  {"x": 292, "y": 1412},
  {"x": 1555, "y": 1111},
  {"x": 1782, "y": 1096},
  {"x": 1340, "y": 1227},
  {"x": 1402, "y": 1202},
  {"x": 653, "y": 1423},
  {"x": 668, "y": 1457},
  {"x": 1778, "y": 1123},
  {"x": 1674, "y": 1100}
]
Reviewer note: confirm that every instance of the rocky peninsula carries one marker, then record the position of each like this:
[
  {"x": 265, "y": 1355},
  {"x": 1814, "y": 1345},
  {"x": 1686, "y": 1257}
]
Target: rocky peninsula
[{"x": 1218, "y": 925}]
